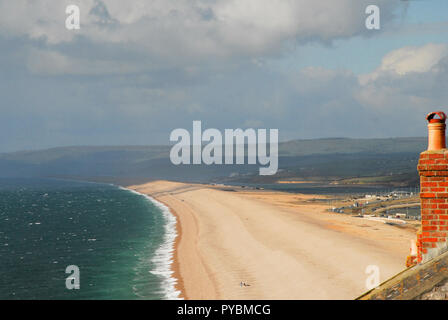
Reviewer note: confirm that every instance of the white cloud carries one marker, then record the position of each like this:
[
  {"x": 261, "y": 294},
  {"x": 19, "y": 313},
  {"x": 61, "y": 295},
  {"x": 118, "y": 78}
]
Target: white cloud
[
  {"x": 408, "y": 60},
  {"x": 414, "y": 59},
  {"x": 409, "y": 82},
  {"x": 191, "y": 28}
]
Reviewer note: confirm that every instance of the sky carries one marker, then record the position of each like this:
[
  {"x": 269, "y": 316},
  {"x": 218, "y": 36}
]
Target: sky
[{"x": 136, "y": 69}]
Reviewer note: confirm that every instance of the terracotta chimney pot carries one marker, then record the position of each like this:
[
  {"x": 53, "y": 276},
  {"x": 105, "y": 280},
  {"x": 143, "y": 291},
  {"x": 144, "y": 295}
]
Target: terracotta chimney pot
[{"x": 436, "y": 130}]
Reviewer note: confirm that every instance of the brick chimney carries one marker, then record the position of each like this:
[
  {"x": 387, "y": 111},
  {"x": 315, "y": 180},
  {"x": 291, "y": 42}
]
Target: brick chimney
[{"x": 433, "y": 170}]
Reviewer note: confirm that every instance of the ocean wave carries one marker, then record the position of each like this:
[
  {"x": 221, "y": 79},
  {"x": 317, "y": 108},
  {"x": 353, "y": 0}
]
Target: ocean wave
[{"x": 163, "y": 256}]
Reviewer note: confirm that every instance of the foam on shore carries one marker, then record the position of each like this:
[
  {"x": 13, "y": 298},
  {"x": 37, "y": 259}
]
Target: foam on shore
[{"x": 163, "y": 257}]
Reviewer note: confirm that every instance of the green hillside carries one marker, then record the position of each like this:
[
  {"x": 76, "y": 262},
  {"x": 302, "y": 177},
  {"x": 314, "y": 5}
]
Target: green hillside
[{"x": 329, "y": 159}]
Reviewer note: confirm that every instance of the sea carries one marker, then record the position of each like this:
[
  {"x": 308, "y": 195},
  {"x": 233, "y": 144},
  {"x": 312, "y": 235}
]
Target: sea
[{"x": 120, "y": 241}]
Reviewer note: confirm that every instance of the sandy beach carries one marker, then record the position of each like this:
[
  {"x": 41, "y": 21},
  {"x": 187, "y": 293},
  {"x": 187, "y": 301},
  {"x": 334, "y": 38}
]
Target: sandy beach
[{"x": 275, "y": 243}]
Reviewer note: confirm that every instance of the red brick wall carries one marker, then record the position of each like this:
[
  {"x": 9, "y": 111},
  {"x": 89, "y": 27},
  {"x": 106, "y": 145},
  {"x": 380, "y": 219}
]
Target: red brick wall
[{"x": 432, "y": 238}]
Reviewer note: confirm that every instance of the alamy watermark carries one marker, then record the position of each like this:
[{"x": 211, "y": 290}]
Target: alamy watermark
[
  {"x": 73, "y": 280},
  {"x": 72, "y": 22},
  {"x": 373, "y": 20},
  {"x": 189, "y": 150}
]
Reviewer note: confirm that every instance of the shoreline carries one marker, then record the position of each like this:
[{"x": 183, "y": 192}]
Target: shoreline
[
  {"x": 174, "y": 263},
  {"x": 280, "y": 244}
]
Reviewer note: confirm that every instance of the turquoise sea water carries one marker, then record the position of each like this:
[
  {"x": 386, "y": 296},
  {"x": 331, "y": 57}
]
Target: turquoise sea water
[{"x": 120, "y": 240}]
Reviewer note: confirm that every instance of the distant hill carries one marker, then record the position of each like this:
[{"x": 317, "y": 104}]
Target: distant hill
[
  {"x": 345, "y": 145},
  {"x": 337, "y": 158}
]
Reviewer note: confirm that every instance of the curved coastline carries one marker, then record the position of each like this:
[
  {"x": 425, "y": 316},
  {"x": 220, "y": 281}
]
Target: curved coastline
[
  {"x": 262, "y": 238},
  {"x": 165, "y": 258}
]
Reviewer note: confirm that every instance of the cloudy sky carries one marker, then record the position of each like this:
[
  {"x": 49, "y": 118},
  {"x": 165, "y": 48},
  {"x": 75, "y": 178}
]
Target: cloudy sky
[{"x": 138, "y": 69}]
